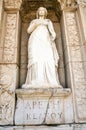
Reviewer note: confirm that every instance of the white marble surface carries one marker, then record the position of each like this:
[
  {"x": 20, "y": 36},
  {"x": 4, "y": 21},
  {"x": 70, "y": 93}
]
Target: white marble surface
[{"x": 43, "y": 106}]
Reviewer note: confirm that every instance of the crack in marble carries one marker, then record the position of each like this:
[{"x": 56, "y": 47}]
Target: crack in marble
[{"x": 44, "y": 121}]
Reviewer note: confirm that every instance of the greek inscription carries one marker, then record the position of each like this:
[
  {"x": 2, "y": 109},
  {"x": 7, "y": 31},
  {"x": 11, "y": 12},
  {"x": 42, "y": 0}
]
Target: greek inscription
[
  {"x": 34, "y": 104},
  {"x": 34, "y": 116},
  {"x": 53, "y": 115}
]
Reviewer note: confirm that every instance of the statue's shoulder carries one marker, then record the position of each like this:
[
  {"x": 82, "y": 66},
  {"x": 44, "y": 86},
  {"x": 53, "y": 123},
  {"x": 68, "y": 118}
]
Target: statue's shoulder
[
  {"x": 48, "y": 20},
  {"x": 33, "y": 21}
]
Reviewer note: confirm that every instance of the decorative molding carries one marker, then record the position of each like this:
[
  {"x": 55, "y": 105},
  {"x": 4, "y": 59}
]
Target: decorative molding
[
  {"x": 12, "y": 4},
  {"x": 10, "y": 39},
  {"x": 82, "y": 3},
  {"x": 8, "y": 77},
  {"x": 77, "y": 66},
  {"x": 80, "y": 90},
  {"x": 7, "y": 105},
  {"x": 73, "y": 35},
  {"x": 67, "y": 3}
]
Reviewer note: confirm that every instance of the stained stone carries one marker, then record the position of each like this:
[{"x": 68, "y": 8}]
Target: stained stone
[{"x": 43, "y": 106}]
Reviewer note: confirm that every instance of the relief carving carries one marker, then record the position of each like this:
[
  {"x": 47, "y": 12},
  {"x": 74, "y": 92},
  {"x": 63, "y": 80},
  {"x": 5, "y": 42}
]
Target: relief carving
[
  {"x": 6, "y": 108},
  {"x": 77, "y": 67},
  {"x": 80, "y": 83},
  {"x": 72, "y": 28},
  {"x": 12, "y": 4},
  {"x": 82, "y": 3},
  {"x": 10, "y": 38},
  {"x": 7, "y": 78},
  {"x": 67, "y": 3}
]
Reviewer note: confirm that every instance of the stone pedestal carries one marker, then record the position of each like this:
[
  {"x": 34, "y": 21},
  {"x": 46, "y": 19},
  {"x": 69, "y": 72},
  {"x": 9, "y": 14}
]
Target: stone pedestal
[{"x": 38, "y": 106}]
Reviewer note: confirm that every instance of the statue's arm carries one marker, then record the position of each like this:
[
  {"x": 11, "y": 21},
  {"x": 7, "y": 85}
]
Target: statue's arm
[
  {"x": 51, "y": 30},
  {"x": 33, "y": 25}
]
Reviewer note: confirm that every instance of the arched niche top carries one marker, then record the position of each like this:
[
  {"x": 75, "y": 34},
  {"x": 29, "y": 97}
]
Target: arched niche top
[{"x": 29, "y": 8}]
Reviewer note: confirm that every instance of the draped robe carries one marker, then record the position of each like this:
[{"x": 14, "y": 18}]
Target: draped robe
[{"x": 42, "y": 56}]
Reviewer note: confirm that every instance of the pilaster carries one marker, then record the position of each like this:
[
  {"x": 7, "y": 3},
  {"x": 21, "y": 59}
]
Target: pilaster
[
  {"x": 82, "y": 18},
  {"x": 74, "y": 62},
  {"x": 9, "y": 63},
  {"x": 1, "y": 21}
]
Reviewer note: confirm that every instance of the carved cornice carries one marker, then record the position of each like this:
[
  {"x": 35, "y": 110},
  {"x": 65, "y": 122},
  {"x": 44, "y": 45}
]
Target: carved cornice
[
  {"x": 12, "y": 4},
  {"x": 82, "y": 3},
  {"x": 67, "y": 3}
]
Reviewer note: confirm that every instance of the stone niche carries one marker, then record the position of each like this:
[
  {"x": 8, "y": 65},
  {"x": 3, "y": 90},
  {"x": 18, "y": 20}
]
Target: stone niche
[
  {"x": 28, "y": 13},
  {"x": 42, "y": 105}
]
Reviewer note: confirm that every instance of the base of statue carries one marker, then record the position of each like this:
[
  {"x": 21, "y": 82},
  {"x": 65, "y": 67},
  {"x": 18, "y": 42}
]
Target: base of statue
[
  {"x": 41, "y": 106},
  {"x": 28, "y": 86}
]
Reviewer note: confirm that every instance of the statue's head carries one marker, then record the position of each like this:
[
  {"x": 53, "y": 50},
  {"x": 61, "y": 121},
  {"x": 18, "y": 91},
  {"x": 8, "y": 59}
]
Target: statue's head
[{"x": 41, "y": 12}]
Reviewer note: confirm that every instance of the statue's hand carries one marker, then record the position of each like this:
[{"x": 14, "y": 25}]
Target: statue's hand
[
  {"x": 45, "y": 23},
  {"x": 38, "y": 23},
  {"x": 42, "y": 22},
  {"x": 52, "y": 38}
]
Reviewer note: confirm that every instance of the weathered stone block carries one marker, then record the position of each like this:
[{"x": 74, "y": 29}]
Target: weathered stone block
[
  {"x": 7, "y": 107},
  {"x": 8, "y": 83},
  {"x": 43, "y": 106},
  {"x": 9, "y": 78}
]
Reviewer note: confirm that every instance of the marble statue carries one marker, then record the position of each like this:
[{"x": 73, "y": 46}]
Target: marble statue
[{"x": 42, "y": 53}]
